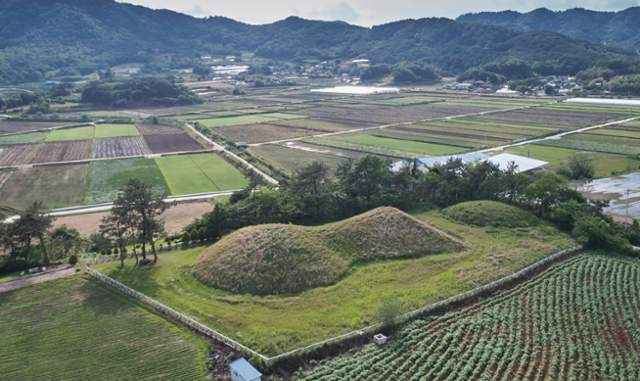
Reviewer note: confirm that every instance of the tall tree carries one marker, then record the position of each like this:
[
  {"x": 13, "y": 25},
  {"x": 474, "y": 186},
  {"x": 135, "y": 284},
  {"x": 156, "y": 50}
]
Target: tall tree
[
  {"x": 33, "y": 224},
  {"x": 118, "y": 225},
  {"x": 311, "y": 178},
  {"x": 137, "y": 197}
]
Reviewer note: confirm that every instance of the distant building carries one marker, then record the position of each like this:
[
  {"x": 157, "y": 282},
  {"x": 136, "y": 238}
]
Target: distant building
[
  {"x": 425, "y": 163},
  {"x": 524, "y": 164},
  {"x": 463, "y": 86},
  {"x": 241, "y": 370}
]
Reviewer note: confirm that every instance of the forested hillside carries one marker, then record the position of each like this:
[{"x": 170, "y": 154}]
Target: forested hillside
[
  {"x": 40, "y": 38},
  {"x": 612, "y": 28}
]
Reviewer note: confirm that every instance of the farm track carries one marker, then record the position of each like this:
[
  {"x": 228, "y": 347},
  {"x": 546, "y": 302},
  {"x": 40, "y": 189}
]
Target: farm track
[{"x": 119, "y": 147}]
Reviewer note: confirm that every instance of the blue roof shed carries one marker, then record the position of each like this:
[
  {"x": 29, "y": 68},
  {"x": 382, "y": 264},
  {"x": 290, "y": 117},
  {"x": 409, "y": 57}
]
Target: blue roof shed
[{"x": 241, "y": 370}]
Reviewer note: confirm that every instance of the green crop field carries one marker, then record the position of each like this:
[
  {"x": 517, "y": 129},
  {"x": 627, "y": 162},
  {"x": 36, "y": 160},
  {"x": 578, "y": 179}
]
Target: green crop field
[
  {"x": 589, "y": 145},
  {"x": 55, "y": 186},
  {"x": 224, "y": 175},
  {"x": 115, "y": 130},
  {"x": 403, "y": 145},
  {"x": 29, "y": 137},
  {"x": 75, "y": 133},
  {"x": 78, "y": 329},
  {"x": 274, "y": 324},
  {"x": 345, "y": 145},
  {"x": 199, "y": 174},
  {"x": 575, "y": 321},
  {"x": 544, "y": 151},
  {"x": 106, "y": 177}
]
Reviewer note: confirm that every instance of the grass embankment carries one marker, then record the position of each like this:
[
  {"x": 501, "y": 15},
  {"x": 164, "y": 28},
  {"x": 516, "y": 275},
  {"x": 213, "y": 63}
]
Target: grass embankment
[
  {"x": 491, "y": 213},
  {"x": 280, "y": 259},
  {"x": 76, "y": 328},
  {"x": 274, "y": 324}
]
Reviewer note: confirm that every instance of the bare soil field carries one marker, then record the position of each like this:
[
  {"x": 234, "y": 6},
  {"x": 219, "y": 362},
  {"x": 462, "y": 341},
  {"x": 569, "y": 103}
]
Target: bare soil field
[
  {"x": 17, "y": 154},
  {"x": 175, "y": 218},
  {"x": 63, "y": 151},
  {"x": 259, "y": 101},
  {"x": 119, "y": 147},
  {"x": 4, "y": 176},
  {"x": 11, "y": 127},
  {"x": 149, "y": 129},
  {"x": 263, "y": 132},
  {"x": 172, "y": 143}
]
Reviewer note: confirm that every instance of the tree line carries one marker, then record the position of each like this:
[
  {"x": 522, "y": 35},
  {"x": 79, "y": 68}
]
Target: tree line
[{"x": 314, "y": 195}]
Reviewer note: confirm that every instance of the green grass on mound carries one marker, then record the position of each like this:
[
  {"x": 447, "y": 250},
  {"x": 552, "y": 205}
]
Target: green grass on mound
[
  {"x": 491, "y": 213},
  {"x": 277, "y": 259},
  {"x": 79, "y": 329}
]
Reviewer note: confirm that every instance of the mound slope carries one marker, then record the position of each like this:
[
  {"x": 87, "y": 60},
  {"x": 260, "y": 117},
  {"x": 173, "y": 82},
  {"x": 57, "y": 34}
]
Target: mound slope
[
  {"x": 491, "y": 213},
  {"x": 276, "y": 259}
]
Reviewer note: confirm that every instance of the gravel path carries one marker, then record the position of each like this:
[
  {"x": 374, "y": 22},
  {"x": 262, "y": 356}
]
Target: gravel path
[{"x": 22, "y": 282}]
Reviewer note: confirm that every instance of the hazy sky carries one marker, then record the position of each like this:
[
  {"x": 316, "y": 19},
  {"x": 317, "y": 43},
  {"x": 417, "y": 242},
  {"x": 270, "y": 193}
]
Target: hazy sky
[{"x": 365, "y": 12}]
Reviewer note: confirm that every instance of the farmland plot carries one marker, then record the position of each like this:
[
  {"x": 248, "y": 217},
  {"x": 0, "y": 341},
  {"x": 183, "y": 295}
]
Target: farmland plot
[
  {"x": 263, "y": 132},
  {"x": 78, "y": 329},
  {"x": 149, "y": 129},
  {"x": 76, "y": 133},
  {"x": 29, "y": 137},
  {"x": 4, "y": 176},
  {"x": 115, "y": 130},
  {"x": 119, "y": 147},
  {"x": 17, "y": 154},
  {"x": 285, "y": 156},
  {"x": 403, "y": 145},
  {"x": 575, "y": 321},
  {"x": 63, "y": 151},
  {"x": 172, "y": 143},
  {"x": 11, "y": 127},
  {"x": 365, "y": 148},
  {"x": 55, "y": 186}
]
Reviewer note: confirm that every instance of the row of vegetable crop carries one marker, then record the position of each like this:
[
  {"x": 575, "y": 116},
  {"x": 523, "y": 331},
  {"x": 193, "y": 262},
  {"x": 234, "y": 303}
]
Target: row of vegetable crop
[{"x": 576, "y": 321}]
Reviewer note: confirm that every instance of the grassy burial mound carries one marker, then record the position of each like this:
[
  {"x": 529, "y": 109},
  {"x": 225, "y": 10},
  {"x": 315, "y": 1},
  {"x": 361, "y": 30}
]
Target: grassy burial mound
[
  {"x": 276, "y": 259},
  {"x": 491, "y": 213}
]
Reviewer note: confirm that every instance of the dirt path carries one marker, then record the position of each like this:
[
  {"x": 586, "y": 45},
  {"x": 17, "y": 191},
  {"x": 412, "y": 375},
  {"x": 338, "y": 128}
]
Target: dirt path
[{"x": 22, "y": 282}]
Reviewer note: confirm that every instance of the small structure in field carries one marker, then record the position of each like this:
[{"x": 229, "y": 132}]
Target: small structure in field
[
  {"x": 379, "y": 339},
  {"x": 241, "y": 370}
]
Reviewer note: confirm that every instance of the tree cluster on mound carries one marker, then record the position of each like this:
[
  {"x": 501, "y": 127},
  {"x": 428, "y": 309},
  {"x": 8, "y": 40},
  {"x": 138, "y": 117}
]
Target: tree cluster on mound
[
  {"x": 157, "y": 92},
  {"x": 277, "y": 259}
]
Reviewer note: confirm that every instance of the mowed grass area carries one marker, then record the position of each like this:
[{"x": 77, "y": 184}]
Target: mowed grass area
[
  {"x": 115, "y": 130},
  {"x": 75, "y": 133},
  {"x": 55, "y": 186},
  {"x": 188, "y": 174},
  {"x": 78, "y": 329},
  {"x": 106, "y": 178},
  {"x": 427, "y": 149},
  {"x": 247, "y": 119},
  {"x": 274, "y": 324}
]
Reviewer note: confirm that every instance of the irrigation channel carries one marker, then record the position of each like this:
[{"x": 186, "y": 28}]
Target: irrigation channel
[{"x": 188, "y": 321}]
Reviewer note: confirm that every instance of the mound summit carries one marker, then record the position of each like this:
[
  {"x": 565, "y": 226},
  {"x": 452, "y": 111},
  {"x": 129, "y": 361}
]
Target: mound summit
[
  {"x": 491, "y": 213},
  {"x": 277, "y": 259}
]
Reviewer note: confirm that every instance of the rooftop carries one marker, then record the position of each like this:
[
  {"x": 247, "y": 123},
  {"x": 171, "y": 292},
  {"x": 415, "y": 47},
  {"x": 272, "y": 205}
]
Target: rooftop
[
  {"x": 524, "y": 163},
  {"x": 245, "y": 370}
]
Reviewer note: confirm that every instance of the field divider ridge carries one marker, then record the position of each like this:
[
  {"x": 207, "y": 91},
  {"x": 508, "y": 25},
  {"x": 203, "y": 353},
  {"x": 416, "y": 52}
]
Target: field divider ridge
[{"x": 270, "y": 360}]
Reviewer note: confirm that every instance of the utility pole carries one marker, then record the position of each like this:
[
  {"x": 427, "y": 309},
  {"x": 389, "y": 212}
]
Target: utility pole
[{"x": 626, "y": 213}]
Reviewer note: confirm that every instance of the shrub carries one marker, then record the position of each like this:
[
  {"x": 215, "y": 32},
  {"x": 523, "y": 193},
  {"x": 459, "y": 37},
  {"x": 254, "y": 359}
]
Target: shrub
[
  {"x": 116, "y": 251},
  {"x": 194, "y": 234},
  {"x": 186, "y": 237},
  {"x": 202, "y": 233},
  {"x": 103, "y": 252},
  {"x": 73, "y": 260},
  {"x": 124, "y": 250}
]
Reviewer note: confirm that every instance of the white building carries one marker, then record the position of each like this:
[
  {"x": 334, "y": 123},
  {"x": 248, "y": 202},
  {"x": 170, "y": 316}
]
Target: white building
[
  {"x": 358, "y": 90},
  {"x": 605, "y": 102},
  {"x": 524, "y": 164},
  {"x": 229, "y": 70}
]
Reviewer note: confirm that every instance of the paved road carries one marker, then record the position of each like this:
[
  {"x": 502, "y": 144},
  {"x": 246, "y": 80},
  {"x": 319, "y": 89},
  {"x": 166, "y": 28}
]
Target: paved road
[{"x": 27, "y": 281}]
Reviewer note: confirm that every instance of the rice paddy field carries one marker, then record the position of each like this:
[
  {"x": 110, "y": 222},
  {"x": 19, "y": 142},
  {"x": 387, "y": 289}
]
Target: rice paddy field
[
  {"x": 76, "y": 328},
  {"x": 75, "y": 133},
  {"x": 188, "y": 174},
  {"x": 115, "y": 130}
]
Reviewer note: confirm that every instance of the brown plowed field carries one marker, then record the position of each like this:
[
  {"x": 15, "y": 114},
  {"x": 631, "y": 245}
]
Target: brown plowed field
[
  {"x": 4, "y": 176},
  {"x": 16, "y": 154},
  {"x": 172, "y": 143},
  {"x": 158, "y": 129},
  {"x": 119, "y": 147},
  {"x": 63, "y": 151},
  {"x": 10, "y": 127}
]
